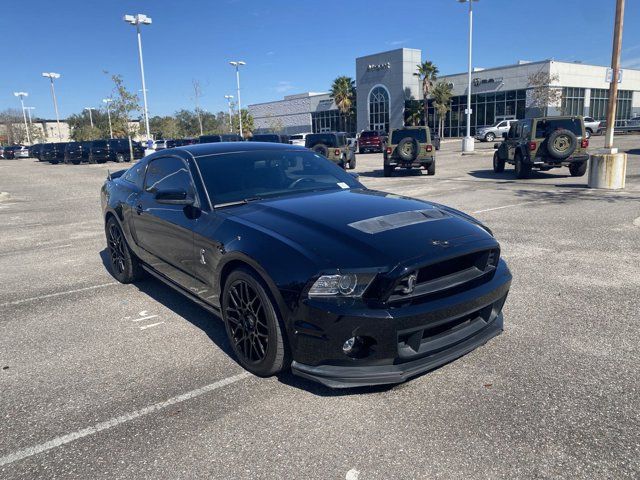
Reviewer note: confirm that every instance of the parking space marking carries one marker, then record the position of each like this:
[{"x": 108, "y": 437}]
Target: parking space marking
[
  {"x": 114, "y": 422},
  {"x": 57, "y": 294},
  {"x": 143, "y": 315},
  {"x": 144, "y": 327},
  {"x": 35, "y": 248},
  {"x": 500, "y": 208}
]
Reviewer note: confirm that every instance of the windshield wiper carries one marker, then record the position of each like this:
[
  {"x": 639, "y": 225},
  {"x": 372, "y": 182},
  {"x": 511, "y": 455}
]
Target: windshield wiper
[{"x": 244, "y": 201}]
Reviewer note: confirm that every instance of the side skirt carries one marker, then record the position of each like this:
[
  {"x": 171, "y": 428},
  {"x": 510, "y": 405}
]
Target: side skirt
[{"x": 215, "y": 310}]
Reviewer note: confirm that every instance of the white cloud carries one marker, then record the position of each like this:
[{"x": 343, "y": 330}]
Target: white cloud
[
  {"x": 271, "y": 53},
  {"x": 283, "y": 86},
  {"x": 398, "y": 42},
  {"x": 631, "y": 63}
]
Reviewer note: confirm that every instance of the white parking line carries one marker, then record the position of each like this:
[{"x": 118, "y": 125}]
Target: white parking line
[
  {"x": 114, "y": 422},
  {"x": 50, "y": 295},
  {"x": 500, "y": 208},
  {"x": 144, "y": 327}
]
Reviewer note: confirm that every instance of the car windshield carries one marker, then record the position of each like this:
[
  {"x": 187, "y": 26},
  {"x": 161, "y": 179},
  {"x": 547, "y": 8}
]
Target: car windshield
[
  {"x": 419, "y": 134},
  {"x": 547, "y": 126},
  {"x": 245, "y": 176}
]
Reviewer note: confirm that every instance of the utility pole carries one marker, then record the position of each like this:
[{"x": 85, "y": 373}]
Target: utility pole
[
  {"x": 615, "y": 65},
  {"x": 229, "y": 98}
]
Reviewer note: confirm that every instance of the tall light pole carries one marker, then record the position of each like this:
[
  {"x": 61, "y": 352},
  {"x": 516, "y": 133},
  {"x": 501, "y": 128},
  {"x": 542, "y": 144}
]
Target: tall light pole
[
  {"x": 229, "y": 98},
  {"x": 90, "y": 115},
  {"x": 467, "y": 142},
  {"x": 21, "y": 96},
  {"x": 138, "y": 20},
  {"x": 108, "y": 102},
  {"x": 51, "y": 76},
  {"x": 615, "y": 66},
  {"x": 28, "y": 109},
  {"x": 237, "y": 65}
]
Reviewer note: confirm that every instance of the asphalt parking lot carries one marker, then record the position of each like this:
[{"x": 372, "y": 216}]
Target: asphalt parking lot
[{"x": 102, "y": 380}]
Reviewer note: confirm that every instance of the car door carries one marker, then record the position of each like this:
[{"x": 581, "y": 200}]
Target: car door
[
  {"x": 502, "y": 127},
  {"x": 164, "y": 232}
]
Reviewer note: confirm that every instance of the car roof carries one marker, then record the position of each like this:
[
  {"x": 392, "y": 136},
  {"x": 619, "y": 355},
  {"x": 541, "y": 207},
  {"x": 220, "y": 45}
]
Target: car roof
[{"x": 202, "y": 149}]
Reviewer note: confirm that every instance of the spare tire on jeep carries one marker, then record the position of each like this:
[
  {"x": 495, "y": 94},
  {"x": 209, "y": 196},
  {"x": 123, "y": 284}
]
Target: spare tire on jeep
[
  {"x": 408, "y": 149},
  {"x": 321, "y": 149},
  {"x": 561, "y": 143}
]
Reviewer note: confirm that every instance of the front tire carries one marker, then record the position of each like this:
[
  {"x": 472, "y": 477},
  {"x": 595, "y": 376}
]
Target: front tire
[
  {"x": 489, "y": 137},
  {"x": 523, "y": 170},
  {"x": 252, "y": 324},
  {"x": 431, "y": 169},
  {"x": 498, "y": 164},
  {"x": 125, "y": 267},
  {"x": 119, "y": 158},
  {"x": 578, "y": 169},
  {"x": 588, "y": 133},
  {"x": 352, "y": 163}
]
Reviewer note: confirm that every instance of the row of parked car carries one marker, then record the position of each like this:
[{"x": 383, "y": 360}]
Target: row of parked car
[{"x": 95, "y": 151}]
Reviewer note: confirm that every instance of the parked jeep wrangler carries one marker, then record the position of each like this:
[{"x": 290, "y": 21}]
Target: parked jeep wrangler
[
  {"x": 409, "y": 147},
  {"x": 544, "y": 143},
  {"x": 334, "y": 146}
]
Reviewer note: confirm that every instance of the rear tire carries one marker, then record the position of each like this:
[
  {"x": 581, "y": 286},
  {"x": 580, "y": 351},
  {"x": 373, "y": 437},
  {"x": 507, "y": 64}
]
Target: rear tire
[
  {"x": 388, "y": 170},
  {"x": 125, "y": 266},
  {"x": 253, "y": 325},
  {"x": 489, "y": 137},
  {"x": 578, "y": 169},
  {"x": 588, "y": 133},
  {"x": 523, "y": 170},
  {"x": 431, "y": 169},
  {"x": 119, "y": 158},
  {"x": 352, "y": 163},
  {"x": 498, "y": 164}
]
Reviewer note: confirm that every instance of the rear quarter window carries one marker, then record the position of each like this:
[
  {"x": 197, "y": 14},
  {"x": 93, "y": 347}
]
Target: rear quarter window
[
  {"x": 420, "y": 135},
  {"x": 325, "y": 138},
  {"x": 545, "y": 127}
]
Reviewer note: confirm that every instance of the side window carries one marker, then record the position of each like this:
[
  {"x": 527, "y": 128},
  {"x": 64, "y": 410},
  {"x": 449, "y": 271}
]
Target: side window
[
  {"x": 135, "y": 175},
  {"x": 502, "y": 124},
  {"x": 168, "y": 173},
  {"x": 512, "y": 131},
  {"x": 526, "y": 129}
]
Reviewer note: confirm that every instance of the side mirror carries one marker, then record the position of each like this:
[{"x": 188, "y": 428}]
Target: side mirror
[
  {"x": 173, "y": 197},
  {"x": 504, "y": 134}
]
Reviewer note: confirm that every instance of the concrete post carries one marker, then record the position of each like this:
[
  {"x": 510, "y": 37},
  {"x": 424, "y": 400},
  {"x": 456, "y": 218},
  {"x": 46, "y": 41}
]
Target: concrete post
[{"x": 608, "y": 170}]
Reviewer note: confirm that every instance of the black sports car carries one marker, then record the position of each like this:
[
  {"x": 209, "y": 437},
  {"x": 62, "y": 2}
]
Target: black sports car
[{"x": 306, "y": 266}]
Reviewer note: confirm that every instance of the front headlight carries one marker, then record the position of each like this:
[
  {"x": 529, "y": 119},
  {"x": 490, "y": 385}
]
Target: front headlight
[{"x": 348, "y": 285}]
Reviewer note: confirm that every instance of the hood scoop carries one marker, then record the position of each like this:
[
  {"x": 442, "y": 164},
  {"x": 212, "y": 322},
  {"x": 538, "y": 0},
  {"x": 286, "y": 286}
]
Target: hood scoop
[{"x": 397, "y": 220}]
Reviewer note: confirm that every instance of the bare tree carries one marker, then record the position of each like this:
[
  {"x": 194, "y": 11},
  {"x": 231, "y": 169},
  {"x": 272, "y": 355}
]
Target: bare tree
[
  {"x": 542, "y": 93},
  {"x": 197, "y": 93}
]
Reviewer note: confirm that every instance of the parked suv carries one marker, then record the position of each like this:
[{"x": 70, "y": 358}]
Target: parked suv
[
  {"x": 544, "y": 143},
  {"x": 332, "y": 145},
  {"x": 409, "y": 147},
  {"x": 489, "y": 134},
  {"x": 116, "y": 150},
  {"x": 73, "y": 153},
  {"x": 228, "y": 137},
  {"x": 35, "y": 150},
  {"x": 591, "y": 125},
  {"x": 371, "y": 141},
  {"x": 53, "y": 152},
  {"x": 269, "y": 137}
]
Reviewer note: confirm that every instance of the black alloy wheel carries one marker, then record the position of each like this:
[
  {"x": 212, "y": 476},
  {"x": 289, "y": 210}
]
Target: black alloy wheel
[
  {"x": 498, "y": 164},
  {"x": 124, "y": 265},
  {"x": 119, "y": 158},
  {"x": 252, "y": 324}
]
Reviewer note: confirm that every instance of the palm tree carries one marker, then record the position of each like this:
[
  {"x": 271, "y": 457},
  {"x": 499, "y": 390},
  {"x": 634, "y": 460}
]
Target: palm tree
[
  {"x": 442, "y": 94},
  {"x": 343, "y": 92},
  {"x": 427, "y": 73}
]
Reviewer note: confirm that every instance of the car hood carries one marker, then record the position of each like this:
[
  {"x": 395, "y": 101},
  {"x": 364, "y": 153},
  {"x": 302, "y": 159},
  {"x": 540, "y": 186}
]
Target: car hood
[{"x": 364, "y": 228}]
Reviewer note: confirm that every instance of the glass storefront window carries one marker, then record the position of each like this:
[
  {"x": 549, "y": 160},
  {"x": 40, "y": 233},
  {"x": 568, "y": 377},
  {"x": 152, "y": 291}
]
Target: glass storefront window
[{"x": 379, "y": 109}]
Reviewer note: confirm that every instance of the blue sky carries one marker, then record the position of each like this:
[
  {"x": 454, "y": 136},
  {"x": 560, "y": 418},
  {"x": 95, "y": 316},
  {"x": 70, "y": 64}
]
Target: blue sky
[{"x": 289, "y": 46}]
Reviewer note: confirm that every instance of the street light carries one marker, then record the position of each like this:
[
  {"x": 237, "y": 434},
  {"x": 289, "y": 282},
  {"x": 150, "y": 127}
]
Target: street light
[
  {"x": 51, "y": 76},
  {"x": 28, "y": 109},
  {"x": 229, "y": 98},
  {"x": 467, "y": 142},
  {"x": 90, "y": 116},
  {"x": 108, "y": 102},
  {"x": 138, "y": 20},
  {"x": 21, "y": 96},
  {"x": 237, "y": 66}
]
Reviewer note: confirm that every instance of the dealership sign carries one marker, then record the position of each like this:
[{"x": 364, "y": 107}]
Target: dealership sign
[{"x": 374, "y": 67}]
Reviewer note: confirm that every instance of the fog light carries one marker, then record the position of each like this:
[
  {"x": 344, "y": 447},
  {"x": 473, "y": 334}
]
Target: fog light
[{"x": 347, "y": 347}]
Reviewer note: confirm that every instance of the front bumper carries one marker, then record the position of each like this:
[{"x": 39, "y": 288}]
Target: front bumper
[{"x": 407, "y": 340}]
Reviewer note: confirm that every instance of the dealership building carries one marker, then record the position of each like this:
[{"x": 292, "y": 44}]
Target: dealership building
[{"x": 389, "y": 95}]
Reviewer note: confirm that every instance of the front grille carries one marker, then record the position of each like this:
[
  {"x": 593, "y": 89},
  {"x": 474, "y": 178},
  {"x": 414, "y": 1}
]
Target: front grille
[{"x": 446, "y": 277}]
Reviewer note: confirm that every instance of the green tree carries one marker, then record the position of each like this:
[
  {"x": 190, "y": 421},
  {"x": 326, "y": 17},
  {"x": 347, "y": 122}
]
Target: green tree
[
  {"x": 441, "y": 94},
  {"x": 81, "y": 129},
  {"x": 427, "y": 73},
  {"x": 343, "y": 93},
  {"x": 123, "y": 106},
  {"x": 247, "y": 123},
  {"x": 164, "y": 127}
]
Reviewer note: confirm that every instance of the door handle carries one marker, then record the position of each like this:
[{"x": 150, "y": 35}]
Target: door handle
[{"x": 139, "y": 209}]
